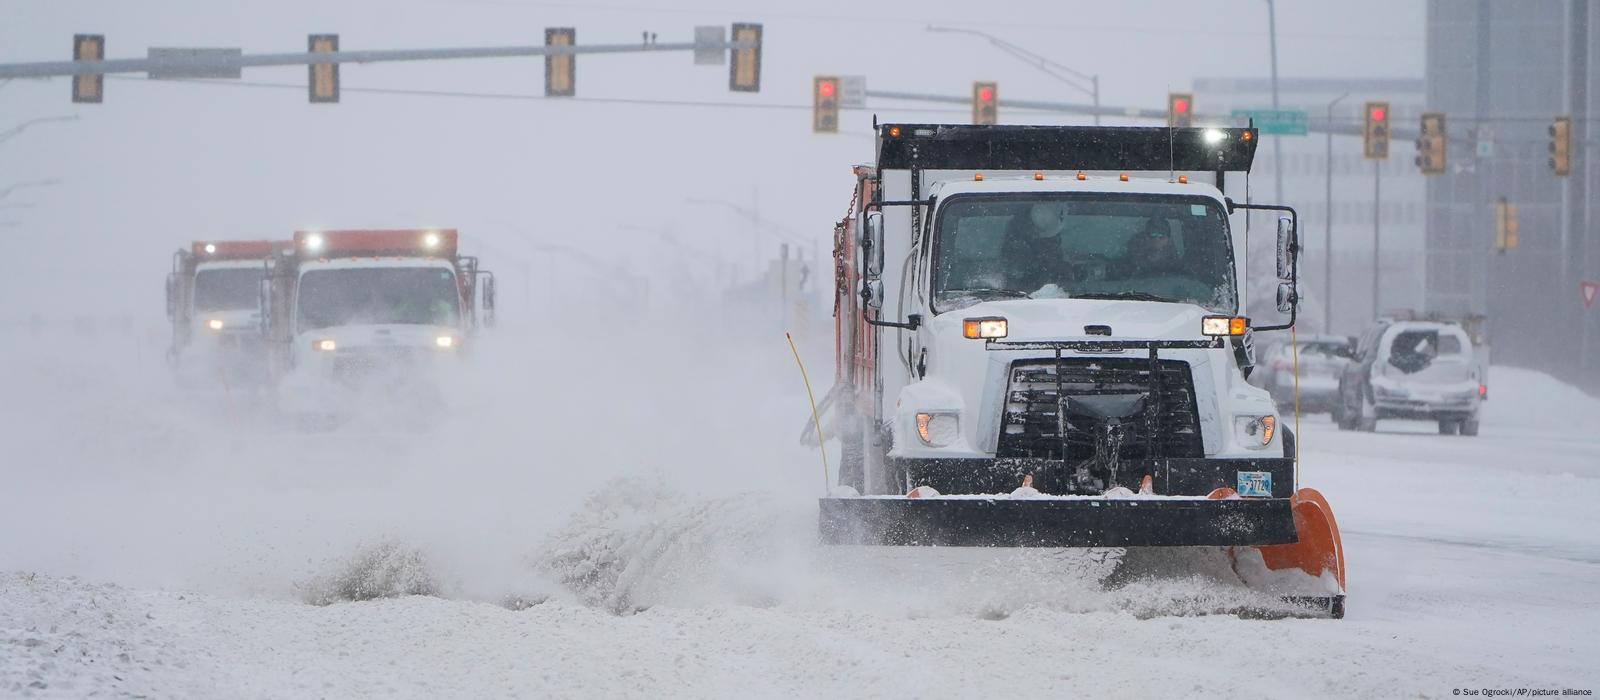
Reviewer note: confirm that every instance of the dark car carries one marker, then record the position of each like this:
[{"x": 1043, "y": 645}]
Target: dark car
[{"x": 1421, "y": 370}]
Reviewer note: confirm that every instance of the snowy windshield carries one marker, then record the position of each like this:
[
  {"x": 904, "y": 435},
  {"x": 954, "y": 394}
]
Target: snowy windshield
[
  {"x": 227, "y": 289},
  {"x": 1083, "y": 245},
  {"x": 352, "y": 296}
]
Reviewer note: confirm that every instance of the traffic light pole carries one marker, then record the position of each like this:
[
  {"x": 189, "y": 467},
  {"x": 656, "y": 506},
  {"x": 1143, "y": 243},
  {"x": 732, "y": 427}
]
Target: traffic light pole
[
  {"x": 1327, "y": 235},
  {"x": 1377, "y": 216}
]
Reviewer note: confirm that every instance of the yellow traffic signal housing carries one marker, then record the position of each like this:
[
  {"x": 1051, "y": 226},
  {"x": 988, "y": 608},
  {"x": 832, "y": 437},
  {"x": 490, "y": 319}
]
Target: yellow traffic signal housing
[
  {"x": 324, "y": 76},
  {"x": 1180, "y": 109},
  {"x": 825, "y": 104},
  {"x": 89, "y": 87},
  {"x": 560, "y": 70},
  {"x": 1505, "y": 226},
  {"x": 1375, "y": 131},
  {"x": 985, "y": 102},
  {"x": 1431, "y": 144},
  {"x": 744, "y": 71},
  {"x": 1561, "y": 146}
]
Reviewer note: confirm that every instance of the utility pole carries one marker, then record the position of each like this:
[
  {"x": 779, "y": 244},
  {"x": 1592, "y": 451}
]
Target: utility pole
[
  {"x": 1327, "y": 231},
  {"x": 1277, "y": 148}
]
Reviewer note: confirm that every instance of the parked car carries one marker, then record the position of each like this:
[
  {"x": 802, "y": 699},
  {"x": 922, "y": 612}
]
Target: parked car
[
  {"x": 1424, "y": 370},
  {"x": 1322, "y": 359}
]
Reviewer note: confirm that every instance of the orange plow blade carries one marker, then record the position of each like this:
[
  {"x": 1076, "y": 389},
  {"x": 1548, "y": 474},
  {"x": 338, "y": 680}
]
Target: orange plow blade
[{"x": 1318, "y": 555}]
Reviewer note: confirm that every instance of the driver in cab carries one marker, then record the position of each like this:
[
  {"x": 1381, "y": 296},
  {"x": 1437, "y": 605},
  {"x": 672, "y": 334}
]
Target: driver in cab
[{"x": 1032, "y": 255}]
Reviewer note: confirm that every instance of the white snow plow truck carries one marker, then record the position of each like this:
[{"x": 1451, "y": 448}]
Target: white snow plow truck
[
  {"x": 1042, "y": 341},
  {"x": 361, "y": 311}
]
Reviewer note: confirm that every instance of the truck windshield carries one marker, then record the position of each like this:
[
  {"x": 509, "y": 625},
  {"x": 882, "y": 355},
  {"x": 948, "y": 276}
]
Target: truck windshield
[
  {"x": 374, "y": 295},
  {"x": 1083, "y": 245},
  {"x": 227, "y": 289}
]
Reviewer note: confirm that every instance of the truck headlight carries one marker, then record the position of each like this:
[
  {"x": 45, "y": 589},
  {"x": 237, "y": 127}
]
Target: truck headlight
[
  {"x": 1223, "y": 325},
  {"x": 214, "y": 324},
  {"x": 1255, "y": 432},
  {"x": 445, "y": 342},
  {"x": 324, "y": 345},
  {"x": 986, "y": 328},
  {"x": 937, "y": 429}
]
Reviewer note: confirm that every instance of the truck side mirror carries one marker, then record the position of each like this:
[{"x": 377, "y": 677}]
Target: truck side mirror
[
  {"x": 872, "y": 293},
  {"x": 488, "y": 301},
  {"x": 172, "y": 296},
  {"x": 872, "y": 244},
  {"x": 1286, "y": 249},
  {"x": 1287, "y": 297}
]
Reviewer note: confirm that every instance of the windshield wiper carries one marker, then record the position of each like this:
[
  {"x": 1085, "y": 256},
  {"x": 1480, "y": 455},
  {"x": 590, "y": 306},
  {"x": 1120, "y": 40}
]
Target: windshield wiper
[
  {"x": 1128, "y": 296},
  {"x": 1004, "y": 292}
]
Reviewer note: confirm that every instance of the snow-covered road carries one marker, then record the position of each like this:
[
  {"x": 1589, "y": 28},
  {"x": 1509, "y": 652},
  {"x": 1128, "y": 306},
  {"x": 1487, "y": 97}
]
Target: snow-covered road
[{"x": 163, "y": 562}]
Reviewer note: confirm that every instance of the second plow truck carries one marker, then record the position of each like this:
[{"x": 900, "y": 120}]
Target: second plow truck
[
  {"x": 213, "y": 303},
  {"x": 370, "y": 314},
  {"x": 1042, "y": 342}
]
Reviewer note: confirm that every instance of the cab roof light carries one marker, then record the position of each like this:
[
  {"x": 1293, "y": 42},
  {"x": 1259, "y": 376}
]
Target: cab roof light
[
  {"x": 1123, "y": 177},
  {"x": 1081, "y": 176},
  {"x": 977, "y": 177},
  {"x": 1038, "y": 174},
  {"x": 1183, "y": 179}
]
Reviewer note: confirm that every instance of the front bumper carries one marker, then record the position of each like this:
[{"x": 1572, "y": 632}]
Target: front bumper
[
  {"x": 1425, "y": 409},
  {"x": 1173, "y": 476},
  {"x": 1084, "y": 521}
]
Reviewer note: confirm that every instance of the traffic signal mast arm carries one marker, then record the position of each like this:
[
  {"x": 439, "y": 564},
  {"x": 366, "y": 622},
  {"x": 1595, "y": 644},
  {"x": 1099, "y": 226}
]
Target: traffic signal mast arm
[{"x": 49, "y": 69}]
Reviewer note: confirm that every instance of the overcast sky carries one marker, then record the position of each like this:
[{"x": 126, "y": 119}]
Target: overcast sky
[{"x": 160, "y": 164}]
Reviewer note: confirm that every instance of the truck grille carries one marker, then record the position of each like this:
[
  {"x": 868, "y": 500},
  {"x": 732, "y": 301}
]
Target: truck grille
[
  {"x": 367, "y": 362},
  {"x": 1030, "y": 427}
]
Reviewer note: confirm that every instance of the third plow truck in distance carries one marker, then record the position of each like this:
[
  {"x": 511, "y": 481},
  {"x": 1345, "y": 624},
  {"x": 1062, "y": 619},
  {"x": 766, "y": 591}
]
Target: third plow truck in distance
[{"x": 1042, "y": 341}]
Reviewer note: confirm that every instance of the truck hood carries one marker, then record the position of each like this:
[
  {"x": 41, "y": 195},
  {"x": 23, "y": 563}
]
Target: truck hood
[{"x": 1064, "y": 319}]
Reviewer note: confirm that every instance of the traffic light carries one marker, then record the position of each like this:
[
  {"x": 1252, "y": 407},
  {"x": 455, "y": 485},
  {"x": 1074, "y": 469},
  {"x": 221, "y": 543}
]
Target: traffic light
[
  {"x": 985, "y": 103},
  {"x": 90, "y": 87},
  {"x": 1180, "y": 109},
  {"x": 1375, "y": 132},
  {"x": 1431, "y": 145},
  {"x": 825, "y": 104},
  {"x": 1561, "y": 146},
  {"x": 1505, "y": 226},
  {"x": 324, "y": 76},
  {"x": 744, "y": 71},
  {"x": 560, "y": 70}
]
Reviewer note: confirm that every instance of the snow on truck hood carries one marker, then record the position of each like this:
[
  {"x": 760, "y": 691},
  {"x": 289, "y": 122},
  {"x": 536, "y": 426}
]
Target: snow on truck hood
[{"x": 1064, "y": 319}]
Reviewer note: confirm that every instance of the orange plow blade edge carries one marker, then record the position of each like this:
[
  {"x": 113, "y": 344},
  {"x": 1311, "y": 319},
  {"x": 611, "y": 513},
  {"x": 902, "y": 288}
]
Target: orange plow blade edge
[{"x": 1318, "y": 551}]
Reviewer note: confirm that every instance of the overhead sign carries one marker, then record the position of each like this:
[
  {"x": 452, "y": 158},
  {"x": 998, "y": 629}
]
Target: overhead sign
[
  {"x": 193, "y": 63},
  {"x": 852, "y": 92},
  {"x": 1279, "y": 122},
  {"x": 1590, "y": 290}
]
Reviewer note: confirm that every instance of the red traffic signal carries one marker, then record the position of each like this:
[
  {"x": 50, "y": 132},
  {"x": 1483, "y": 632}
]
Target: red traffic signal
[
  {"x": 985, "y": 108},
  {"x": 825, "y": 104},
  {"x": 1375, "y": 131},
  {"x": 1180, "y": 109},
  {"x": 1378, "y": 114}
]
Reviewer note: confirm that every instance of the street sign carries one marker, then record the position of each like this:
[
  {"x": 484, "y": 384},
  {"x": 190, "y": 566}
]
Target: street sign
[
  {"x": 193, "y": 63},
  {"x": 1485, "y": 142},
  {"x": 1590, "y": 291},
  {"x": 708, "y": 41},
  {"x": 1279, "y": 122},
  {"x": 852, "y": 92}
]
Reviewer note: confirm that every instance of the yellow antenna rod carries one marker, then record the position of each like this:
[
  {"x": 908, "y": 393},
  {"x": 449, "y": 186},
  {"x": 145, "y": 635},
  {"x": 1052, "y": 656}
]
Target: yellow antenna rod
[
  {"x": 815, "y": 419},
  {"x": 1294, "y": 352}
]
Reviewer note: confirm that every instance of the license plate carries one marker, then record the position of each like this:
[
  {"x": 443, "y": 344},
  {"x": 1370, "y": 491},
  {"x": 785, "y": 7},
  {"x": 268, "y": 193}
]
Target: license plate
[{"x": 1255, "y": 484}]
